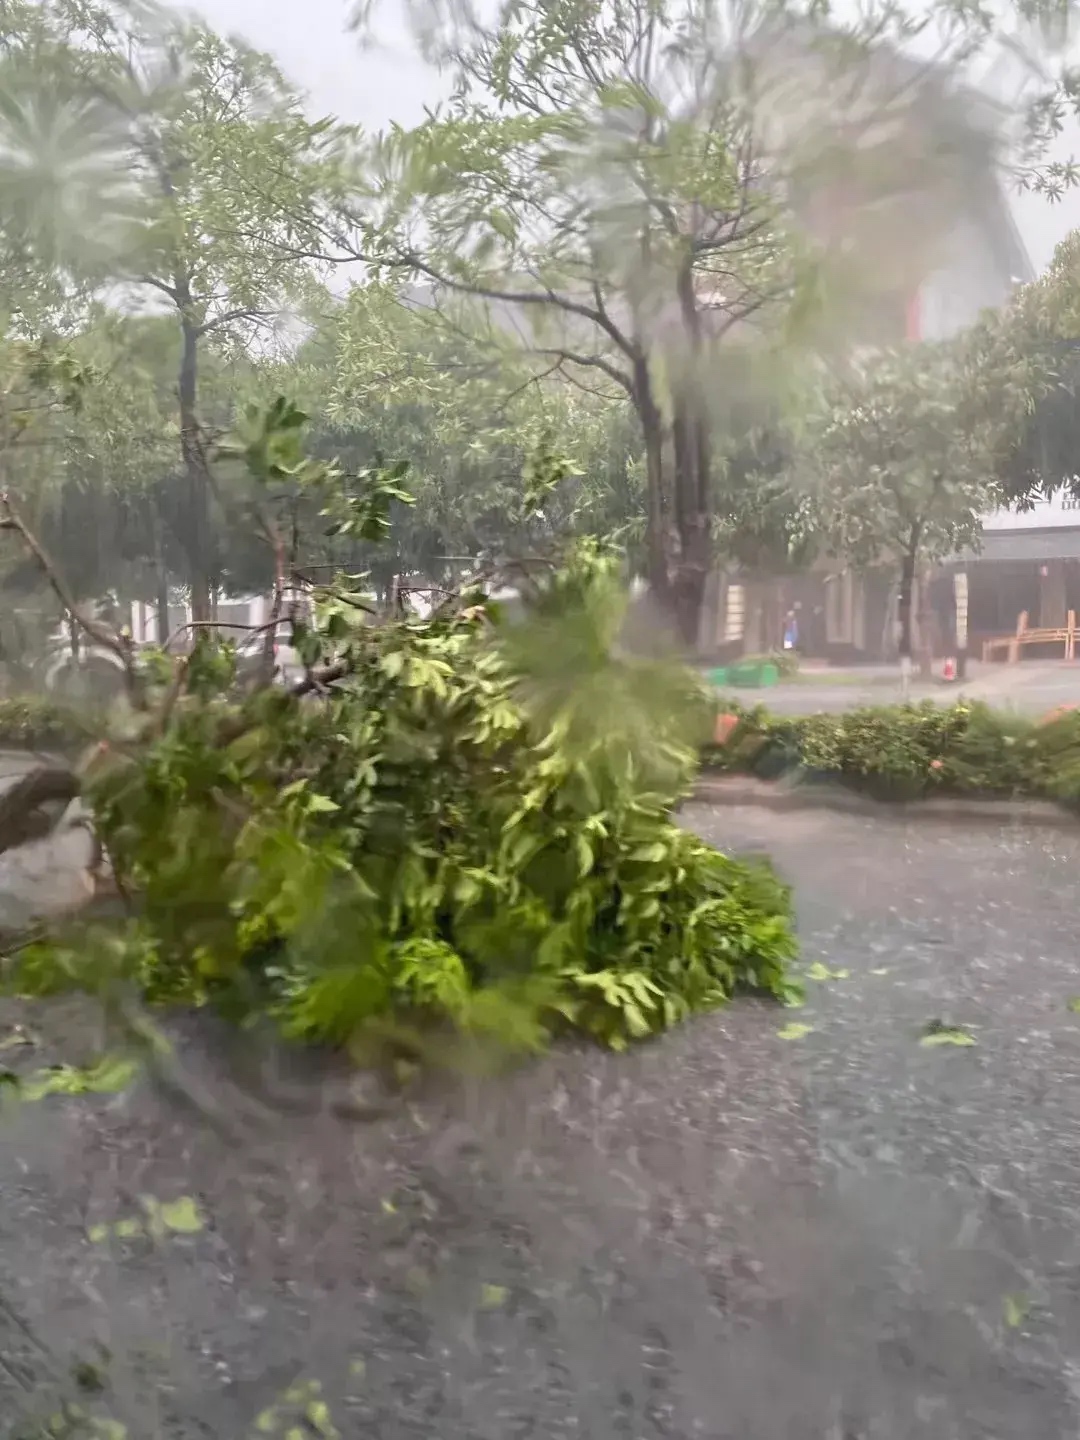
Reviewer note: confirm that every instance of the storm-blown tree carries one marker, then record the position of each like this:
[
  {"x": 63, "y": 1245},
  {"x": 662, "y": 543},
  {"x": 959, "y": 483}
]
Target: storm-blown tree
[
  {"x": 116, "y": 515},
  {"x": 195, "y": 118},
  {"x": 621, "y": 186},
  {"x": 616, "y": 231},
  {"x": 501, "y": 462},
  {"x": 1028, "y": 360},
  {"x": 898, "y": 460}
]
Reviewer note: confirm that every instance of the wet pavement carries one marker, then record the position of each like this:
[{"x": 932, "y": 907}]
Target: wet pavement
[
  {"x": 1033, "y": 687},
  {"x": 841, "y": 1236}
]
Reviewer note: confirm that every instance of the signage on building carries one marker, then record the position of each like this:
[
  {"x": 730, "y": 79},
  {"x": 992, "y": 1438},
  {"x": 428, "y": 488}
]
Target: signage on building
[{"x": 1061, "y": 512}]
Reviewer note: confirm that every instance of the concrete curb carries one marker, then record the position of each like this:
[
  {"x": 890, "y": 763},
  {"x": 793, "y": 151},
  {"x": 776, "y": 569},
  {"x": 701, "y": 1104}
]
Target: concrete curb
[{"x": 779, "y": 796}]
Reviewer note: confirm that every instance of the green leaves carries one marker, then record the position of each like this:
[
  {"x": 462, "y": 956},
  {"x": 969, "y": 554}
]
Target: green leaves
[
  {"x": 818, "y": 971},
  {"x": 160, "y": 1219},
  {"x": 901, "y": 456},
  {"x": 794, "y": 1031},
  {"x": 299, "y": 1412},
  {"x": 622, "y": 1004},
  {"x": 362, "y": 508},
  {"x": 448, "y": 848},
  {"x": 270, "y": 440},
  {"x": 111, "y": 1074},
  {"x": 937, "y": 1033}
]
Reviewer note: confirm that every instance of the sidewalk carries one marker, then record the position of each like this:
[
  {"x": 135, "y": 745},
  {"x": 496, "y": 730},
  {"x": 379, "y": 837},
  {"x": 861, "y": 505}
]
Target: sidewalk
[{"x": 1032, "y": 687}]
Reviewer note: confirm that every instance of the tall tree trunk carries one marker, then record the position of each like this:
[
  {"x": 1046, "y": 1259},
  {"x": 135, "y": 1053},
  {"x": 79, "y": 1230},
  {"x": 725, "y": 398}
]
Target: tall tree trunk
[
  {"x": 652, "y": 435},
  {"x": 691, "y": 479},
  {"x": 162, "y": 606},
  {"x": 161, "y": 585},
  {"x": 903, "y": 606},
  {"x": 198, "y": 482},
  {"x": 691, "y": 566},
  {"x": 926, "y": 628},
  {"x": 678, "y": 536}
]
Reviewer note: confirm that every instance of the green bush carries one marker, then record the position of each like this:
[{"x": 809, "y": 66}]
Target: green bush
[
  {"x": 470, "y": 836},
  {"x": 1056, "y": 758},
  {"x": 905, "y": 751},
  {"x": 33, "y": 723}
]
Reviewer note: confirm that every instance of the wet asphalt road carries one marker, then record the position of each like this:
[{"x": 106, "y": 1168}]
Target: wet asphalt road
[{"x": 844, "y": 1236}]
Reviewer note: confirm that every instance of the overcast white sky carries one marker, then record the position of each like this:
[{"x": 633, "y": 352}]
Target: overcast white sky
[{"x": 310, "y": 40}]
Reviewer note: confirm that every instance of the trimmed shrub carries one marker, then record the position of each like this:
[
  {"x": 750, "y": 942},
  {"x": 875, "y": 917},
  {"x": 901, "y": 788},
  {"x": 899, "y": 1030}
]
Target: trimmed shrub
[{"x": 906, "y": 751}]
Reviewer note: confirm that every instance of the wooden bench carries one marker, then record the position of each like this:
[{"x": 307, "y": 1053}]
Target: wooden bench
[{"x": 1025, "y": 635}]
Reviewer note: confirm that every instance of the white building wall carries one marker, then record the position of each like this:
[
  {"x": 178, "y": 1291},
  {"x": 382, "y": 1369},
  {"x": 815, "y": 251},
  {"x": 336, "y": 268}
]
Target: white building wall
[
  {"x": 968, "y": 281},
  {"x": 1060, "y": 512}
]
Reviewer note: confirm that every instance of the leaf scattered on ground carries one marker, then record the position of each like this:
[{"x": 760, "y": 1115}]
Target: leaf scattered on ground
[
  {"x": 181, "y": 1216},
  {"x": 938, "y": 1033},
  {"x": 795, "y": 1031},
  {"x": 818, "y": 971},
  {"x": 178, "y": 1217},
  {"x": 1016, "y": 1309},
  {"x": 88, "y": 1377},
  {"x": 169, "y": 1217},
  {"x": 493, "y": 1297},
  {"x": 111, "y": 1074},
  {"x": 319, "y": 1419},
  {"x": 1074, "y": 1004}
]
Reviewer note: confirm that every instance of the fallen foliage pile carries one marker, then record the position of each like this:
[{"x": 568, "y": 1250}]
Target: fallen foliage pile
[{"x": 456, "y": 830}]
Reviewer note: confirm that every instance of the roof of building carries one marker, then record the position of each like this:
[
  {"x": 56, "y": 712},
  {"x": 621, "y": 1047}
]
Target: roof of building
[
  {"x": 892, "y": 88},
  {"x": 1031, "y": 545}
]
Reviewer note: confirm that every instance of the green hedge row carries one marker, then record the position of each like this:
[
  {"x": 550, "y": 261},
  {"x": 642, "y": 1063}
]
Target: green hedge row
[
  {"x": 29, "y": 722},
  {"x": 903, "y": 752}
]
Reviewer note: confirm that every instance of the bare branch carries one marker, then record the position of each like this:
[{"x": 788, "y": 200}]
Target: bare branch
[
  {"x": 21, "y": 802},
  {"x": 103, "y": 634},
  {"x": 241, "y": 313},
  {"x": 587, "y": 362},
  {"x": 162, "y": 285},
  {"x": 545, "y": 296}
]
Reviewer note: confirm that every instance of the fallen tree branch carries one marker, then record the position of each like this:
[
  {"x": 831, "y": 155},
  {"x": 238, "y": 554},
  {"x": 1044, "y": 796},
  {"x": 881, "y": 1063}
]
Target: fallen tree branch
[
  {"x": 104, "y": 635},
  {"x": 20, "y": 805}
]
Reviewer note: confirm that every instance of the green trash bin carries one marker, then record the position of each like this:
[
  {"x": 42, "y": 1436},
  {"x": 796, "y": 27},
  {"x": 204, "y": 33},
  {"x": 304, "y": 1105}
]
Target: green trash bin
[
  {"x": 757, "y": 675},
  {"x": 718, "y": 678}
]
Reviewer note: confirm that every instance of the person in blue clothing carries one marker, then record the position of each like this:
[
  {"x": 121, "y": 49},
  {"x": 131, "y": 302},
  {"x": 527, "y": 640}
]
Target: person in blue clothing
[{"x": 791, "y": 631}]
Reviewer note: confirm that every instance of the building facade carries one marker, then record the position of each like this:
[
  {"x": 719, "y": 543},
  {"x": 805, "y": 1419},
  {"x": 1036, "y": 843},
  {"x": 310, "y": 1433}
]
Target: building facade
[{"x": 1029, "y": 562}]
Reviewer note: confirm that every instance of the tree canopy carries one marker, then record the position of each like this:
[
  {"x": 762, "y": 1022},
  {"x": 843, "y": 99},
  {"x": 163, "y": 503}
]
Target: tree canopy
[
  {"x": 592, "y": 281},
  {"x": 899, "y": 456}
]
